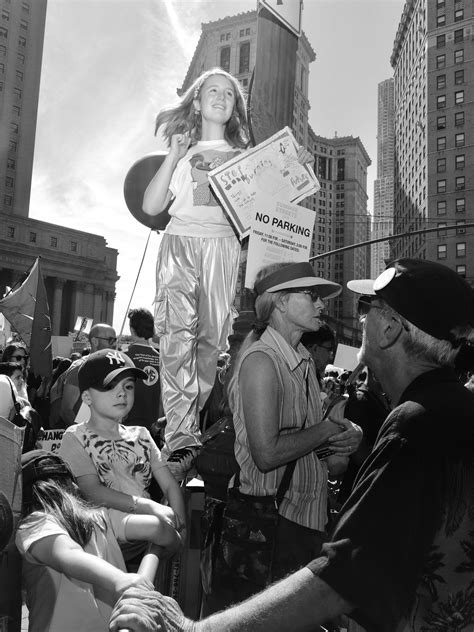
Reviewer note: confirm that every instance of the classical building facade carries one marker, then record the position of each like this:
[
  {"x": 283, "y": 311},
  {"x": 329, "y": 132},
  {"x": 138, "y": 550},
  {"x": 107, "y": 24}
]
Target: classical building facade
[
  {"x": 79, "y": 269},
  {"x": 382, "y": 218},
  {"x": 433, "y": 62}
]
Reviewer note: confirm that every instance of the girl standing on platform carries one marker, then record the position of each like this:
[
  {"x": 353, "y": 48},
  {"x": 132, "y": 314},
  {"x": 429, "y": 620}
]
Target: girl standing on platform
[{"x": 198, "y": 259}]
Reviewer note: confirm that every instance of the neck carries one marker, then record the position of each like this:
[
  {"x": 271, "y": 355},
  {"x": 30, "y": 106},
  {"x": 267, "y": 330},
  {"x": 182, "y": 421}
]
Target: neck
[
  {"x": 291, "y": 336},
  {"x": 212, "y": 131},
  {"x": 143, "y": 341},
  {"x": 104, "y": 426},
  {"x": 395, "y": 377}
]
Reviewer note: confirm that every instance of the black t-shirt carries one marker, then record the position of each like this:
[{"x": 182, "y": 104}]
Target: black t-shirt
[
  {"x": 146, "y": 408},
  {"x": 402, "y": 551}
]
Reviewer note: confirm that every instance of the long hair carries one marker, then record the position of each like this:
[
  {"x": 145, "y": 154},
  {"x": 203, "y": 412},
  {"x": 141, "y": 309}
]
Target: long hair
[
  {"x": 263, "y": 306},
  {"x": 61, "y": 498},
  {"x": 181, "y": 117}
]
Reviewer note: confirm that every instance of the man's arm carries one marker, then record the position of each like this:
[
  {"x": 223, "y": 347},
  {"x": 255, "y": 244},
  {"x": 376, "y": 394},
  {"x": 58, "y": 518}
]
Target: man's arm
[{"x": 299, "y": 602}]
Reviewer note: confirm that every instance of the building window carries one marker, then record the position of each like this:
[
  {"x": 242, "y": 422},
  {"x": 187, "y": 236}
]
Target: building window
[
  {"x": 441, "y": 143},
  {"x": 241, "y": 32},
  {"x": 441, "y": 41},
  {"x": 458, "y": 15},
  {"x": 17, "y": 92},
  {"x": 11, "y": 231},
  {"x": 54, "y": 242},
  {"x": 441, "y": 186},
  {"x": 441, "y": 101},
  {"x": 12, "y": 145},
  {"x": 440, "y": 62},
  {"x": 16, "y": 110},
  {"x": 459, "y": 97},
  {"x": 5, "y": 15},
  {"x": 441, "y": 81},
  {"x": 461, "y": 270},
  {"x": 225, "y": 58},
  {"x": 8, "y": 182},
  {"x": 459, "y": 77},
  {"x": 460, "y": 205},
  {"x": 440, "y": 4},
  {"x": 458, "y": 36},
  {"x": 461, "y": 249},
  {"x": 459, "y": 56},
  {"x": 244, "y": 58},
  {"x": 33, "y": 238},
  {"x": 460, "y": 161},
  {"x": 3, "y": 50},
  {"x": 441, "y": 232},
  {"x": 247, "y": 31},
  {"x": 222, "y": 37},
  {"x": 22, "y": 41},
  {"x": 441, "y": 165},
  {"x": 19, "y": 75},
  {"x": 24, "y": 25},
  {"x": 460, "y": 139},
  {"x": 11, "y": 164},
  {"x": 441, "y": 20},
  {"x": 73, "y": 246},
  {"x": 461, "y": 230},
  {"x": 7, "y": 200},
  {"x": 25, "y": 6},
  {"x": 3, "y": 32},
  {"x": 442, "y": 251},
  {"x": 14, "y": 128},
  {"x": 460, "y": 183},
  {"x": 441, "y": 207},
  {"x": 459, "y": 119},
  {"x": 441, "y": 122}
]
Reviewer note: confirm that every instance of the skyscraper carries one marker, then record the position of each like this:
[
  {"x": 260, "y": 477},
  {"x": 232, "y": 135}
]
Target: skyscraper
[
  {"x": 433, "y": 61},
  {"x": 79, "y": 270},
  {"x": 382, "y": 220}
]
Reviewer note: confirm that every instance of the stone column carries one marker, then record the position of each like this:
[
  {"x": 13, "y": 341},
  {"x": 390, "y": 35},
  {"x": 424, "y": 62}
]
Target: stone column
[
  {"x": 97, "y": 314},
  {"x": 77, "y": 303},
  {"x": 57, "y": 305}
]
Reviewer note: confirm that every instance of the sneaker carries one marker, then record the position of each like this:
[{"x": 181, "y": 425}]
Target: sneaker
[{"x": 181, "y": 462}]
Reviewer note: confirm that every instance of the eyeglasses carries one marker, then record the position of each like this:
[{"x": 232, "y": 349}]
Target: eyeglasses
[
  {"x": 110, "y": 339},
  {"x": 311, "y": 292},
  {"x": 19, "y": 357}
]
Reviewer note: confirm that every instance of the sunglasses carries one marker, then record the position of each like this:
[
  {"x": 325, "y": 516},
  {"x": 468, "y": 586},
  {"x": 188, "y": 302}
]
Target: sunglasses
[
  {"x": 19, "y": 357},
  {"x": 311, "y": 292},
  {"x": 364, "y": 305}
]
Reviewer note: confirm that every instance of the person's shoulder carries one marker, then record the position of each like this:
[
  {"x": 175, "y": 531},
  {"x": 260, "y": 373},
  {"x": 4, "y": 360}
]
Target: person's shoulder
[{"x": 76, "y": 429}]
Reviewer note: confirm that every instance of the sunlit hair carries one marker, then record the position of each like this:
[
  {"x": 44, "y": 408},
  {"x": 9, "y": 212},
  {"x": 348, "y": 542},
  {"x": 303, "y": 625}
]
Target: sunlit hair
[
  {"x": 61, "y": 498},
  {"x": 422, "y": 346},
  {"x": 182, "y": 117},
  {"x": 264, "y": 306}
]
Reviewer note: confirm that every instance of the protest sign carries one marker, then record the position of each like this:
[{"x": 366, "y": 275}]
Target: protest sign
[
  {"x": 271, "y": 168},
  {"x": 280, "y": 232}
]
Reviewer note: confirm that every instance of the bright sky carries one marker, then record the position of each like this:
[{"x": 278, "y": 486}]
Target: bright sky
[{"x": 110, "y": 65}]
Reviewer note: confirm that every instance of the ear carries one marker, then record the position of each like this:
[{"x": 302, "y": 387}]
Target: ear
[
  {"x": 390, "y": 332},
  {"x": 86, "y": 398},
  {"x": 197, "y": 105},
  {"x": 281, "y": 303}
]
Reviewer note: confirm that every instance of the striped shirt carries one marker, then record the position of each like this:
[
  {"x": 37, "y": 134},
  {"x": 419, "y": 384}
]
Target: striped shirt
[{"x": 305, "y": 501}]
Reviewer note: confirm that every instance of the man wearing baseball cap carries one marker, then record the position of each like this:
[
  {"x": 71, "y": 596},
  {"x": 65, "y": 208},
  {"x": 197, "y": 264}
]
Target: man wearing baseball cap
[{"x": 400, "y": 558}]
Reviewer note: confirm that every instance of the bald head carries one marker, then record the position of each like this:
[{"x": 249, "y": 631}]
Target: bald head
[{"x": 102, "y": 336}]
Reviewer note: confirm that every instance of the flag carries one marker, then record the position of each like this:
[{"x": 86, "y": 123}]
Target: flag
[{"x": 27, "y": 311}]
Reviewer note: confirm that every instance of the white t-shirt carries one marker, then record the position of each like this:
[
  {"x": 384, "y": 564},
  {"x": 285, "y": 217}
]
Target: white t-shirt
[
  {"x": 195, "y": 211},
  {"x": 58, "y": 603}
]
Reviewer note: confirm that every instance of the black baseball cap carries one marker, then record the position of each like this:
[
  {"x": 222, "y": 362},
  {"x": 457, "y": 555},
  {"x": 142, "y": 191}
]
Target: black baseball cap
[
  {"x": 101, "y": 367},
  {"x": 39, "y": 464},
  {"x": 428, "y": 294}
]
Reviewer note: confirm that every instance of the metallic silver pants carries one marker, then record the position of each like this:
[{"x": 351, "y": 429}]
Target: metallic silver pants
[{"x": 196, "y": 280}]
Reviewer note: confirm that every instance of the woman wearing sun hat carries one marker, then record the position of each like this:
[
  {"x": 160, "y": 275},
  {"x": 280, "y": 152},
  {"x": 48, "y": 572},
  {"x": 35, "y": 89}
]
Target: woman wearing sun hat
[{"x": 277, "y": 414}]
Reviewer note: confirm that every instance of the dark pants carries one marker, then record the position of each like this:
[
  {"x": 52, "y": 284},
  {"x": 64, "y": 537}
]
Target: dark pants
[{"x": 295, "y": 547}]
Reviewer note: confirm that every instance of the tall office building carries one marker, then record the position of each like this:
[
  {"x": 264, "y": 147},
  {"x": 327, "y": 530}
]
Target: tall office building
[
  {"x": 433, "y": 61},
  {"x": 382, "y": 219},
  {"x": 80, "y": 271},
  {"x": 341, "y": 217}
]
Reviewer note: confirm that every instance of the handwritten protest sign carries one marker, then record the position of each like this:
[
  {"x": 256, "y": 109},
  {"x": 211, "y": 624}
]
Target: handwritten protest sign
[
  {"x": 271, "y": 168},
  {"x": 280, "y": 232}
]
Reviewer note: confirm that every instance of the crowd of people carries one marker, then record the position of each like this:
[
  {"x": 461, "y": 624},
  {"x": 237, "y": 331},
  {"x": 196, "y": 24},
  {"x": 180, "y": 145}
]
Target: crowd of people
[{"x": 349, "y": 494}]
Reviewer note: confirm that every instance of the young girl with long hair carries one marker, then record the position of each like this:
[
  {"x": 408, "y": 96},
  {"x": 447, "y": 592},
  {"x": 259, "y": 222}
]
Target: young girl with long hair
[
  {"x": 199, "y": 254},
  {"x": 73, "y": 570}
]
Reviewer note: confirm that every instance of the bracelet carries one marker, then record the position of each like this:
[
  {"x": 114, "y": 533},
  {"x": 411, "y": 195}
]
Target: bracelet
[{"x": 133, "y": 506}]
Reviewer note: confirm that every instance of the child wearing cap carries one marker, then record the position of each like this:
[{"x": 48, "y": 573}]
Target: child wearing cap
[
  {"x": 114, "y": 464},
  {"x": 73, "y": 569}
]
